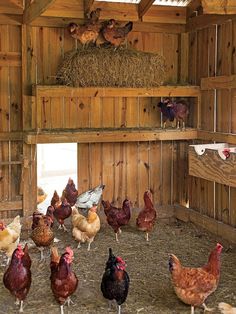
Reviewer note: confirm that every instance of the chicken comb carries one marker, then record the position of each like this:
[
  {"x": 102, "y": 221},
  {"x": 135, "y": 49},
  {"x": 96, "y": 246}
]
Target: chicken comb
[
  {"x": 69, "y": 251},
  {"x": 19, "y": 247}
]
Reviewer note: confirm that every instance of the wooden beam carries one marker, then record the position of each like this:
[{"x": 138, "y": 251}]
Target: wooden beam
[
  {"x": 10, "y": 205},
  {"x": 10, "y": 59},
  {"x": 217, "y": 137},
  {"x": 165, "y": 91},
  {"x": 144, "y": 6},
  {"x": 218, "y": 82},
  {"x": 88, "y": 6},
  {"x": 10, "y": 19},
  {"x": 11, "y": 136},
  {"x": 137, "y": 26},
  {"x": 109, "y": 136},
  {"x": 35, "y": 9},
  {"x": 165, "y": 14},
  {"x": 206, "y": 20},
  {"x": 216, "y": 227},
  {"x": 219, "y": 7}
]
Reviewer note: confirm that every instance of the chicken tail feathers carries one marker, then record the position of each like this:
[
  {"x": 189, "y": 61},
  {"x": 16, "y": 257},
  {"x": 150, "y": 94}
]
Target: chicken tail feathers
[
  {"x": 173, "y": 262},
  {"x": 128, "y": 27}
]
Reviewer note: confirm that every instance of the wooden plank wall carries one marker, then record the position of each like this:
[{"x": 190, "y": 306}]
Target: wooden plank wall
[
  {"x": 127, "y": 169},
  {"x": 10, "y": 121},
  {"x": 212, "y": 51}
]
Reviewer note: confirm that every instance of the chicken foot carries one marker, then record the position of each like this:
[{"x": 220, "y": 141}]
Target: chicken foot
[
  {"x": 89, "y": 244},
  {"x": 21, "y": 307},
  {"x": 69, "y": 301},
  {"x": 207, "y": 308},
  {"x": 17, "y": 302},
  {"x": 62, "y": 226}
]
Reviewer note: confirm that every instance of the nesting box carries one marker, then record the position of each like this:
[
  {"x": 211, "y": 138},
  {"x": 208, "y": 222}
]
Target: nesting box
[{"x": 213, "y": 162}]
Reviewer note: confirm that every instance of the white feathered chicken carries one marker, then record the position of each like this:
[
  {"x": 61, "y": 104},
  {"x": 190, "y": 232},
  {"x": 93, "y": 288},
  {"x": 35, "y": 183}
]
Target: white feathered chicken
[{"x": 90, "y": 198}]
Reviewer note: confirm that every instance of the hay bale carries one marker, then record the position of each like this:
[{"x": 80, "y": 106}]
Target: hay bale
[{"x": 105, "y": 67}]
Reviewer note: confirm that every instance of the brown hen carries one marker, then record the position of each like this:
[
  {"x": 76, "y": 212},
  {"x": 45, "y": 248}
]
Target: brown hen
[
  {"x": 42, "y": 236},
  {"x": 147, "y": 216},
  {"x": 194, "y": 285},
  {"x": 116, "y": 35}
]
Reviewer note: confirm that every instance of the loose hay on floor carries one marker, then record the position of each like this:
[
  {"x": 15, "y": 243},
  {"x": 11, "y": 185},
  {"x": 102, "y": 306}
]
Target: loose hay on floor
[
  {"x": 147, "y": 264},
  {"x": 105, "y": 67}
]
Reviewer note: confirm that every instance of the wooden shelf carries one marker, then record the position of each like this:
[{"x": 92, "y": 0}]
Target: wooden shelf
[
  {"x": 109, "y": 135},
  {"x": 165, "y": 91}
]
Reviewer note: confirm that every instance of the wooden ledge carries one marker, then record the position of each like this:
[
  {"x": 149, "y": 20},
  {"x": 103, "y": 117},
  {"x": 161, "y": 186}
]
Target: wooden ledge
[
  {"x": 216, "y": 227},
  {"x": 108, "y": 135},
  {"x": 217, "y": 137},
  {"x": 165, "y": 91}
]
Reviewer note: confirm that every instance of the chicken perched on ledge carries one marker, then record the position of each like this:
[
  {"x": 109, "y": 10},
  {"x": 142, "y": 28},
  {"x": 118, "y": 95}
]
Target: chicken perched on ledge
[
  {"x": 116, "y": 35},
  {"x": 194, "y": 285},
  {"x": 85, "y": 228},
  {"x": 89, "y": 32},
  {"x": 10, "y": 236}
]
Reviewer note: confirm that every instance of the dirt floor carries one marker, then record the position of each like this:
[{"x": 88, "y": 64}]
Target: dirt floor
[{"x": 150, "y": 291}]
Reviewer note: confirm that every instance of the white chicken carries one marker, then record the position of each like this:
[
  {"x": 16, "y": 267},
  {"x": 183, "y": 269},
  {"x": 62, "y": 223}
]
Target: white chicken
[
  {"x": 226, "y": 308},
  {"x": 90, "y": 198}
]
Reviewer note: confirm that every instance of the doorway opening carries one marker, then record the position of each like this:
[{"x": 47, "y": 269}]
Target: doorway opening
[{"x": 56, "y": 163}]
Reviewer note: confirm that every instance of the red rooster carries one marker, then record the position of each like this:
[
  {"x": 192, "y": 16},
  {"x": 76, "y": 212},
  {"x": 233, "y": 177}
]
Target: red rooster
[
  {"x": 70, "y": 192},
  {"x": 115, "y": 280},
  {"x": 194, "y": 285},
  {"x": 117, "y": 217},
  {"x": 17, "y": 278},
  {"x": 62, "y": 209},
  {"x": 180, "y": 110},
  {"x": 63, "y": 280},
  {"x": 147, "y": 216}
]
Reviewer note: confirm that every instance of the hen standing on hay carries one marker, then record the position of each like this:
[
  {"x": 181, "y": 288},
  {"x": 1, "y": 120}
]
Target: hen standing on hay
[
  {"x": 88, "y": 32},
  {"x": 116, "y": 35}
]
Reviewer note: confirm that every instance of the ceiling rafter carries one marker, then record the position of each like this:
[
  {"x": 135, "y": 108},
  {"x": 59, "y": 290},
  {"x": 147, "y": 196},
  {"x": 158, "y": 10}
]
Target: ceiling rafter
[
  {"x": 35, "y": 9},
  {"x": 87, "y": 6},
  {"x": 144, "y": 6}
]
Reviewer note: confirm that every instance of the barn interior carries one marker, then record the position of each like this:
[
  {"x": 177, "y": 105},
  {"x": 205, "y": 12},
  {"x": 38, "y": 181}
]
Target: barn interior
[{"x": 119, "y": 139}]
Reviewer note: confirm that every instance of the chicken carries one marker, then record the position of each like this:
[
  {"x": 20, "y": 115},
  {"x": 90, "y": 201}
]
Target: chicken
[
  {"x": 63, "y": 280},
  {"x": 48, "y": 218},
  {"x": 147, "y": 216},
  {"x": 226, "y": 308},
  {"x": 62, "y": 209},
  {"x": 167, "y": 112},
  {"x": 116, "y": 35},
  {"x": 70, "y": 192},
  {"x": 89, "y": 32},
  {"x": 117, "y": 217},
  {"x": 10, "y": 236},
  {"x": 42, "y": 235},
  {"x": 194, "y": 285},
  {"x": 90, "y": 198},
  {"x": 179, "y": 108},
  {"x": 41, "y": 195},
  {"x": 17, "y": 277},
  {"x": 115, "y": 280},
  {"x": 85, "y": 228}
]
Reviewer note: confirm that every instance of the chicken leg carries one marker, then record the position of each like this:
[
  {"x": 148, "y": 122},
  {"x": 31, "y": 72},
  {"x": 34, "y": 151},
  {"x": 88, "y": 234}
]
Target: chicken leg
[
  {"x": 62, "y": 309},
  {"x": 147, "y": 238},
  {"x": 192, "y": 309},
  {"x": 119, "y": 309},
  {"x": 21, "y": 307},
  {"x": 207, "y": 308},
  {"x": 117, "y": 240}
]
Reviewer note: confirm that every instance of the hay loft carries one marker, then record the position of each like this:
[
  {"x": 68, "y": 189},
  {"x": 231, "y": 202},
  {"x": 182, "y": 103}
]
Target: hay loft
[{"x": 106, "y": 67}]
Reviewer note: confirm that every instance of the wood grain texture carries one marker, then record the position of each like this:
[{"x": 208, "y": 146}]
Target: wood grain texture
[{"x": 211, "y": 167}]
